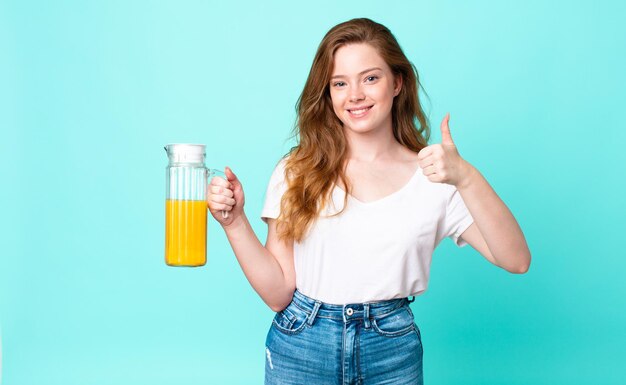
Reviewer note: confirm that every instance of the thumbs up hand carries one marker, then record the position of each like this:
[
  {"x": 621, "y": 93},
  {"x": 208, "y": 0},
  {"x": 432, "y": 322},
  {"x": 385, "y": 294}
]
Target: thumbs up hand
[{"x": 441, "y": 163}]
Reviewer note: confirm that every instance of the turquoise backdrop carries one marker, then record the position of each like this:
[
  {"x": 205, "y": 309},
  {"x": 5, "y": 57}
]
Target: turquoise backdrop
[{"x": 91, "y": 91}]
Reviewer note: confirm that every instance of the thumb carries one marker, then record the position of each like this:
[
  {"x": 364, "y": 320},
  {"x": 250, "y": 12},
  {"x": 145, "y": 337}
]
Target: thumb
[
  {"x": 446, "y": 138},
  {"x": 230, "y": 175}
]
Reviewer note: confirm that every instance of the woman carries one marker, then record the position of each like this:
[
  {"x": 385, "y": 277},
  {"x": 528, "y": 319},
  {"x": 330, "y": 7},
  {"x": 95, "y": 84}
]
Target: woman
[{"x": 354, "y": 212}]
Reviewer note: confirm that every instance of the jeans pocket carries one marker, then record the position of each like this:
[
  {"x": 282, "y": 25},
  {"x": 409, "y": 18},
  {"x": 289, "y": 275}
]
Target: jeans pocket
[
  {"x": 417, "y": 329},
  {"x": 396, "y": 323},
  {"x": 291, "y": 320}
]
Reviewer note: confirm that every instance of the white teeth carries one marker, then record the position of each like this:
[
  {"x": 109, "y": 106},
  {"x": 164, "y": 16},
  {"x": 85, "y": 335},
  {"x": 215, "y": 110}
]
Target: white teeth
[{"x": 359, "y": 112}]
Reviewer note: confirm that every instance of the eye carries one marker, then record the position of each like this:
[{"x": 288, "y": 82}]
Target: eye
[
  {"x": 371, "y": 78},
  {"x": 339, "y": 84}
]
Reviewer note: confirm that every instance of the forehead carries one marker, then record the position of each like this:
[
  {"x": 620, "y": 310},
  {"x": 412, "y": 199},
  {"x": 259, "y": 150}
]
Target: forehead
[{"x": 354, "y": 58}]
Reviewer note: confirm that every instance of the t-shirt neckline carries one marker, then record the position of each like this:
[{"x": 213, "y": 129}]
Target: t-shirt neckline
[{"x": 386, "y": 197}]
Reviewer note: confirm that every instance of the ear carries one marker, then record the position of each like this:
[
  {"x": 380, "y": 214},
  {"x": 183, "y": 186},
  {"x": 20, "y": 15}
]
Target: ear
[{"x": 397, "y": 85}]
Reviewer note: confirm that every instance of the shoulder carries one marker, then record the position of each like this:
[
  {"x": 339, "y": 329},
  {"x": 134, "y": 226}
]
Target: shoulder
[
  {"x": 277, "y": 179},
  {"x": 279, "y": 169}
]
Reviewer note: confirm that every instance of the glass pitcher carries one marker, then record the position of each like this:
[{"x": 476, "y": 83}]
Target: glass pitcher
[{"x": 186, "y": 181}]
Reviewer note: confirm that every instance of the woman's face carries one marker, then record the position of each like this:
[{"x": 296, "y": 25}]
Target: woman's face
[{"x": 362, "y": 88}]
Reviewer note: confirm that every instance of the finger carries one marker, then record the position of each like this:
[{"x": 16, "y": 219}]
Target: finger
[
  {"x": 221, "y": 182},
  {"x": 222, "y": 199},
  {"x": 425, "y": 152},
  {"x": 430, "y": 170},
  {"x": 216, "y": 207},
  {"x": 435, "y": 178},
  {"x": 428, "y": 161},
  {"x": 232, "y": 178},
  {"x": 220, "y": 190},
  {"x": 446, "y": 137}
]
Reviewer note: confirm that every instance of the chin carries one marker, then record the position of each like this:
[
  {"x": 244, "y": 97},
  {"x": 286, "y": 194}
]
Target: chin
[{"x": 360, "y": 130}]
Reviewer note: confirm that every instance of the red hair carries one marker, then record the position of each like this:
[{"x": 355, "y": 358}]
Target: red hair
[{"x": 318, "y": 161}]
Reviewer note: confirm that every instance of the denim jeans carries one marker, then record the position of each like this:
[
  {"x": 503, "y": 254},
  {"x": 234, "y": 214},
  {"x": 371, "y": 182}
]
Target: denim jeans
[{"x": 311, "y": 342}]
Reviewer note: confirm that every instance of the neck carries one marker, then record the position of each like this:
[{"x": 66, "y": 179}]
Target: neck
[{"x": 371, "y": 146}]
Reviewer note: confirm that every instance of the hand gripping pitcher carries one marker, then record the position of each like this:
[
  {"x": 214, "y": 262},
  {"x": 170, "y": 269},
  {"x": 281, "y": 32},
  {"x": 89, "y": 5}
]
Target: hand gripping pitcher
[{"x": 186, "y": 181}]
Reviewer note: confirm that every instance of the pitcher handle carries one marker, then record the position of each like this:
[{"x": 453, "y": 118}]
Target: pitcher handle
[{"x": 212, "y": 172}]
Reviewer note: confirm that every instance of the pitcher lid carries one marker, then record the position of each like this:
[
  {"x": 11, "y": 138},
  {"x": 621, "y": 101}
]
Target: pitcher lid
[{"x": 186, "y": 152}]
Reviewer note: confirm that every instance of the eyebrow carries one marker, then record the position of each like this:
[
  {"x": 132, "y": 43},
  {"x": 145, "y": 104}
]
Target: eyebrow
[{"x": 360, "y": 73}]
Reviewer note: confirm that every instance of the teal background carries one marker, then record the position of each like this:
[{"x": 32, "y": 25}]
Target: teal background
[{"x": 90, "y": 92}]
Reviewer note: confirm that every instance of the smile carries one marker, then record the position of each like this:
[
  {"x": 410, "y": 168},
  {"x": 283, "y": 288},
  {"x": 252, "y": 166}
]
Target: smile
[{"x": 360, "y": 112}]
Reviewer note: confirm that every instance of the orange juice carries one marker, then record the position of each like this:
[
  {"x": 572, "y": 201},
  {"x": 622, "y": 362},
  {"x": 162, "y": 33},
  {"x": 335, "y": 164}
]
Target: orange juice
[{"x": 185, "y": 232}]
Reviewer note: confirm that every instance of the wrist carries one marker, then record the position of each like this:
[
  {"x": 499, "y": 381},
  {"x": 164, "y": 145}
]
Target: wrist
[
  {"x": 468, "y": 175},
  {"x": 239, "y": 222}
]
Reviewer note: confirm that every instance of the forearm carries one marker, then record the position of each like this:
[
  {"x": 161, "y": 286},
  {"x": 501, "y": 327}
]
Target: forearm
[
  {"x": 259, "y": 266},
  {"x": 495, "y": 222}
]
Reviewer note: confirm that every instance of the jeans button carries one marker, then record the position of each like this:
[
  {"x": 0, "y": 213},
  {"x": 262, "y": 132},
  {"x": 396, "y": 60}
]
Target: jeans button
[{"x": 349, "y": 311}]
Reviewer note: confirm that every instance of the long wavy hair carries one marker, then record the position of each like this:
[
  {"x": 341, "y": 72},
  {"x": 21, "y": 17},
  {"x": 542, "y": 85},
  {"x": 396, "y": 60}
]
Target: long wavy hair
[{"x": 319, "y": 159}]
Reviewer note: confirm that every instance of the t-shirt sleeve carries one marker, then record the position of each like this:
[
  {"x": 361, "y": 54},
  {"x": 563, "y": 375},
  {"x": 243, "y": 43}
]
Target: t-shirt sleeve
[
  {"x": 275, "y": 190},
  {"x": 457, "y": 218}
]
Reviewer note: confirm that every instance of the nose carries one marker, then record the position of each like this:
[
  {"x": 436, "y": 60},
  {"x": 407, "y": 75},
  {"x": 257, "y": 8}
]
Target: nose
[{"x": 356, "y": 93}]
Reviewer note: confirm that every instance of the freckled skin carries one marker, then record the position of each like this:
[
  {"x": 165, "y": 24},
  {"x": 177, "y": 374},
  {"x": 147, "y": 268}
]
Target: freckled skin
[{"x": 361, "y": 78}]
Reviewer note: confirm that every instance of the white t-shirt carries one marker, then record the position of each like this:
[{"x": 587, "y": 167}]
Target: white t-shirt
[{"x": 377, "y": 250}]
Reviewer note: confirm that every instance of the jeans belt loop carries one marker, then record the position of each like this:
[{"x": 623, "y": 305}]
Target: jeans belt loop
[
  {"x": 313, "y": 314},
  {"x": 366, "y": 315}
]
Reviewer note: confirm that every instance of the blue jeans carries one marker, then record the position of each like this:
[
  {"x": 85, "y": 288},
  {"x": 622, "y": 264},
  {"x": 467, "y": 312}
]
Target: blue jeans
[{"x": 311, "y": 342}]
